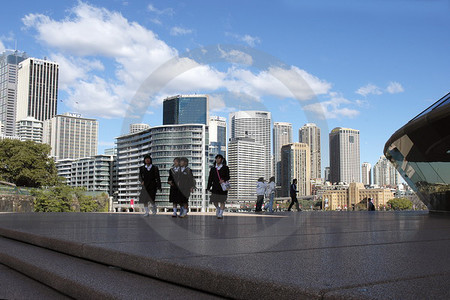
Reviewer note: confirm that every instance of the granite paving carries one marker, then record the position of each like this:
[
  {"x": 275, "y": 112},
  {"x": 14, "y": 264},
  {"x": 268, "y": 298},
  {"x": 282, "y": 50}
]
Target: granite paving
[{"x": 310, "y": 255}]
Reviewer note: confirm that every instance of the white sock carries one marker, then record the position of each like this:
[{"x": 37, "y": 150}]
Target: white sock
[
  {"x": 175, "y": 210},
  {"x": 146, "y": 209}
]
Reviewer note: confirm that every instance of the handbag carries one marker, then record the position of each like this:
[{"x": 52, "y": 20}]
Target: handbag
[{"x": 225, "y": 185}]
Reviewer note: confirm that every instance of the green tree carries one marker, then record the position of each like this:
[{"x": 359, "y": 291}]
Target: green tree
[
  {"x": 400, "y": 204},
  {"x": 27, "y": 164},
  {"x": 55, "y": 199},
  {"x": 64, "y": 198}
]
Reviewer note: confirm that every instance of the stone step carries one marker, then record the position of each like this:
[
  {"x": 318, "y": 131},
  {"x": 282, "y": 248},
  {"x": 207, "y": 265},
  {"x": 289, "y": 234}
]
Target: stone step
[
  {"x": 14, "y": 285},
  {"x": 79, "y": 278}
]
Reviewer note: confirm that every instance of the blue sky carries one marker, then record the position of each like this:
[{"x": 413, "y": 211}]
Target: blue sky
[{"x": 367, "y": 65}]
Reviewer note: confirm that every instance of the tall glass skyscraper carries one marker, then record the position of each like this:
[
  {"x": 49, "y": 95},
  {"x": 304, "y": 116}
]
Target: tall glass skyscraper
[
  {"x": 185, "y": 109},
  {"x": 217, "y": 137},
  {"x": 9, "y": 62},
  {"x": 344, "y": 155}
]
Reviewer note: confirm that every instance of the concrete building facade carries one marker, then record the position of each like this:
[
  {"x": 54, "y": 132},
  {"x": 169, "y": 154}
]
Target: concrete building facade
[
  {"x": 296, "y": 164},
  {"x": 37, "y": 89},
  {"x": 282, "y": 135},
  {"x": 310, "y": 135},
  {"x": 245, "y": 166},
  {"x": 344, "y": 155},
  {"x": 255, "y": 125},
  {"x": 71, "y": 136}
]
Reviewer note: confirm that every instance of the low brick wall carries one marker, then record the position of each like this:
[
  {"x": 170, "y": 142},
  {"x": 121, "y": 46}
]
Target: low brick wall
[{"x": 16, "y": 203}]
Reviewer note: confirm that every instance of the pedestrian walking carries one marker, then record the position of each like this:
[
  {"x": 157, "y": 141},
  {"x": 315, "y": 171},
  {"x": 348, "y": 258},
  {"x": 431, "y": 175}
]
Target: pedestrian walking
[
  {"x": 219, "y": 175},
  {"x": 173, "y": 180},
  {"x": 293, "y": 193},
  {"x": 270, "y": 193},
  {"x": 186, "y": 186},
  {"x": 150, "y": 181},
  {"x": 371, "y": 206},
  {"x": 260, "y": 192}
]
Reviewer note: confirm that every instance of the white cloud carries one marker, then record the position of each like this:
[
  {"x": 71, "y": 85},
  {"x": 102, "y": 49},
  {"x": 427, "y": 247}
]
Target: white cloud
[
  {"x": 167, "y": 11},
  {"x": 236, "y": 56},
  {"x": 336, "y": 107},
  {"x": 394, "y": 87},
  {"x": 279, "y": 82},
  {"x": 94, "y": 41},
  {"x": 369, "y": 89},
  {"x": 2, "y": 47},
  {"x": 177, "y": 31},
  {"x": 246, "y": 38}
]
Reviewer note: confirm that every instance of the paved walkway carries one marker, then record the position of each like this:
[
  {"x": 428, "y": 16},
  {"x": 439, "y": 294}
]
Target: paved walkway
[{"x": 311, "y": 255}]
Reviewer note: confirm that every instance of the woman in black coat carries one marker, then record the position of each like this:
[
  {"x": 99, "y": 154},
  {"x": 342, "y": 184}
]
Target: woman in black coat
[
  {"x": 218, "y": 174},
  {"x": 173, "y": 181},
  {"x": 186, "y": 185},
  {"x": 150, "y": 181}
]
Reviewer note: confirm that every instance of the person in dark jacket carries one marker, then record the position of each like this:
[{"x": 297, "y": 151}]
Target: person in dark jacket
[
  {"x": 173, "y": 180},
  {"x": 186, "y": 185},
  {"x": 293, "y": 193},
  {"x": 370, "y": 206},
  {"x": 150, "y": 181},
  {"x": 218, "y": 174}
]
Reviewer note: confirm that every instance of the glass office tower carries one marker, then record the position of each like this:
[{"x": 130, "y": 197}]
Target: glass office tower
[
  {"x": 420, "y": 151},
  {"x": 185, "y": 109}
]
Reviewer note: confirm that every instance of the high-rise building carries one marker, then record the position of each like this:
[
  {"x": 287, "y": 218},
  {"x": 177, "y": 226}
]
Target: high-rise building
[
  {"x": 366, "y": 171},
  {"x": 296, "y": 164},
  {"x": 282, "y": 135},
  {"x": 37, "y": 89},
  {"x": 245, "y": 168},
  {"x": 310, "y": 134},
  {"x": 30, "y": 129},
  {"x": 385, "y": 174},
  {"x": 185, "y": 109},
  {"x": 327, "y": 173},
  {"x": 163, "y": 144},
  {"x": 9, "y": 62},
  {"x": 217, "y": 137},
  {"x": 71, "y": 136},
  {"x": 344, "y": 155},
  {"x": 138, "y": 127},
  {"x": 255, "y": 125}
]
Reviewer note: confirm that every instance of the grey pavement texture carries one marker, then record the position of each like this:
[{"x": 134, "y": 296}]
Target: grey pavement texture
[{"x": 310, "y": 255}]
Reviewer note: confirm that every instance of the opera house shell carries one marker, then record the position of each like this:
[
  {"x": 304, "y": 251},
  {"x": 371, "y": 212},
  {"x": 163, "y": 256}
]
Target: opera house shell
[{"x": 420, "y": 151}]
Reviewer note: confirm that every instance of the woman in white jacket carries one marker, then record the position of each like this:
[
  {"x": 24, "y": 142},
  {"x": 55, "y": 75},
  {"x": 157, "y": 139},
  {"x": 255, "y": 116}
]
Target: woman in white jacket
[{"x": 270, "y": 193}]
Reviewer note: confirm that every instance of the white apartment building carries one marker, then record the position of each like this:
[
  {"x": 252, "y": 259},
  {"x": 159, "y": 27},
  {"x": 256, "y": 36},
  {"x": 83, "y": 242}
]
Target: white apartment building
[
  {"x": 282, "y": 135},
  {"x": 310, "y": 134},
  {"x": 9, "y": 62},
  {"x": 385, "y": 174},
  {"x": 30, "y": 129},
  {"x": 296, "y": 164},
  {"x": 138, "y": 127},
  {"x": 255, "y": 125},
  {"x": 163, "y": 143},
  {"x": 37, "y": 89},
  {"x": 344, "y": 155},
  {"x": 71, "y": 136},
  {"x": 96, "y": 173},
  {"x": 244, "y": 161}
]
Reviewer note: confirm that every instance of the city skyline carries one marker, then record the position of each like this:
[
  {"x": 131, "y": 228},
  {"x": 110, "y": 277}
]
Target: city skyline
[{"x": 373, "y": 77}]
